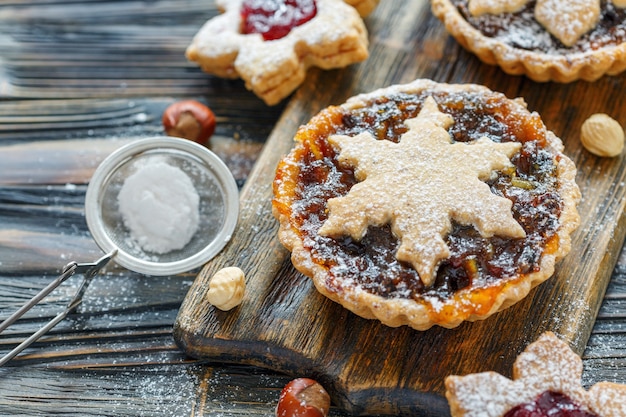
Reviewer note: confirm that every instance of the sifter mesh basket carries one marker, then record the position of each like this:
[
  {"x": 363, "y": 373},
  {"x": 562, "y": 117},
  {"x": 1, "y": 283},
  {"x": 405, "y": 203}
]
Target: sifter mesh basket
[{"x": 213, "y": 181}]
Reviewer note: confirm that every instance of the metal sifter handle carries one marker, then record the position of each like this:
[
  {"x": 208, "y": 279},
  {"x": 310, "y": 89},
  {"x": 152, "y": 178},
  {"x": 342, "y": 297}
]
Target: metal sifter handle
[{"x": 89, "y": 271}]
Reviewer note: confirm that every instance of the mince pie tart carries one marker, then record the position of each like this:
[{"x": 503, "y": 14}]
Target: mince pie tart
[
  {"x": 426, "y": 204},
  {"x": 546, "y": 383},
  {"x": 547, "y": 40},
  {"x": 270, "y": 44}
]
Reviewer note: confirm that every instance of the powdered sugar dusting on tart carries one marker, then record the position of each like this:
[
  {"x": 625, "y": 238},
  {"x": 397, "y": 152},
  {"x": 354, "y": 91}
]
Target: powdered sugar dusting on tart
[
  {"x": 579, "y": 22},
  {"x": 482, "y": 275},
  {"x": 421, "y": 216},
  {"x": 568, "y": 20}
]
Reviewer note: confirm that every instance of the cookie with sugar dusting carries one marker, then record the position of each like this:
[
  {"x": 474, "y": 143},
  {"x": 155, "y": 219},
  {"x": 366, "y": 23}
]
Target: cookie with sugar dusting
[
  {"x": 426, "y": 204},
  {"x": 271, "y": 44},
  {"x": 546, "y": 382}
]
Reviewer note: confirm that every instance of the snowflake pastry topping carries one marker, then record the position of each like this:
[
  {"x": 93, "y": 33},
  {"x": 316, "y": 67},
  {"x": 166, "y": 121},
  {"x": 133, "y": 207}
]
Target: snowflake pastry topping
[
  {"x": 566, "y": 20},
  {"x": 546, "y": 366},
  {"x": 419, "y": 186},
  {"x": 334, "y": 37}
]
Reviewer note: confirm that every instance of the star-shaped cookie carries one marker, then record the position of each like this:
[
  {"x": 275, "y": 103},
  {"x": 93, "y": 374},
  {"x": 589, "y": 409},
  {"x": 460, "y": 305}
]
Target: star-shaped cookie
[
  {"x": 548, "y": 367},
  {"x": 419, "y": 186}
]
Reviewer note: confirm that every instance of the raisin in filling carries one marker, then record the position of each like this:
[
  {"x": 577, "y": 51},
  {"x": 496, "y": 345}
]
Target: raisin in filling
[
  {"x": 549, "y": 404},
  {"x": 521, "y": 30},
  {"x": 274, "y": 19},
  {"x": 475, "y": 261}
]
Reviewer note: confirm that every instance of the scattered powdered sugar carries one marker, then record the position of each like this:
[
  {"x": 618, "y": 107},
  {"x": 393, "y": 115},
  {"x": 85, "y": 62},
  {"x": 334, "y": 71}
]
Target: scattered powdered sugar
[
  {"x": 521, "y": 30},
  {"x": 160, "y": 206},
  {"x": 489, "y": 394},
  {"x": 450, "y": 177},
  {"x": 568, "y": 21}
]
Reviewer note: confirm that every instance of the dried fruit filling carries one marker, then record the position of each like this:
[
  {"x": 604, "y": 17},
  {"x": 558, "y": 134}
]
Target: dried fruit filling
[
  {"x": 549, "y": 404},
  {"x": 274, "y": 19},
  {"x": 521, "y": 29},
  {"x": 475, "y": 261}
]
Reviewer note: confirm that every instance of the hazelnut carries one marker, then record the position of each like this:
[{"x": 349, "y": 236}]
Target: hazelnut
[
  {"x": 601, "y": 135},
  {"x": 189, "y": 119},
  {"x": 303, "y": 397},
  {"x": 226, "y": 288}
]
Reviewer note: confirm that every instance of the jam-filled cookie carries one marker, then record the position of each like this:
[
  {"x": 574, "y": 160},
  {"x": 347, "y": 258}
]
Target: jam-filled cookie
[
  {"x": 546, "y": 383},
  {"x": 426, "y": 204},
  {"x": 270, "y": 44},
  {"x": 547, "y": 40}
]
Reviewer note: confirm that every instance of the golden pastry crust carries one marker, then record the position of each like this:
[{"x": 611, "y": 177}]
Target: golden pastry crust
[
  {"x": 364, "y": 7},
  {"x": 561, "y": 66},
  {"x": 397, "y": 296},
  {"x": 547, "y": 365},
  {"x": 478, "y": 7},
  {"x": 334, "y": 38}
]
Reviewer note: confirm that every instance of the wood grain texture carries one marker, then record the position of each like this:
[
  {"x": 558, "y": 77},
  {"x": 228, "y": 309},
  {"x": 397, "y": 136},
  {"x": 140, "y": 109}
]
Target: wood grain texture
[
  {"x": 77, "y": 77},
  {"x": 284, "y": 324}
]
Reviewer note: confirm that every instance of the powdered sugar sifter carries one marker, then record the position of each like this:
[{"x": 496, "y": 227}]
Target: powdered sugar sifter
[{"x": 218, "y": 212}]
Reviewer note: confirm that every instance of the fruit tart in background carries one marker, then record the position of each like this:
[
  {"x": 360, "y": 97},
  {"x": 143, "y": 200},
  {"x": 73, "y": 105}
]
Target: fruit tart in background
[
  {"x": 270, "y": 44},
  {"x": 546, "y": 40},
  {"x": 426, "y": 204}
]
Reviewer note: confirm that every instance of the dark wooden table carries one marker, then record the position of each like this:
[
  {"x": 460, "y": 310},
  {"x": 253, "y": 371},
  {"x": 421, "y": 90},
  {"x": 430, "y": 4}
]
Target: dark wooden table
[{"x": 79, "y": 79}]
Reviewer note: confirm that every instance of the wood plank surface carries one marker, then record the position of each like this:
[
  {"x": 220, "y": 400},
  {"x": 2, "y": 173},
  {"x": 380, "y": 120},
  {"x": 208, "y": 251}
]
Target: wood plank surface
[
  {"x": 284, "y": 324},
  {"x": 79, "y": 78}
]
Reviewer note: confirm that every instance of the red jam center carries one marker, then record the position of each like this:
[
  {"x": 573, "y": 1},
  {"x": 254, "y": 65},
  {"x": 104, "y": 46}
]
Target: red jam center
[
  {"x": 274, "y": 19},
  {"x": 549, "y": 404}
]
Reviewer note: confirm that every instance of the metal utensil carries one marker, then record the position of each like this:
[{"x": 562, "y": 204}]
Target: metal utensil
[
  {"x": 88, "y": 270},
  {"x": 220, "y": 208}
]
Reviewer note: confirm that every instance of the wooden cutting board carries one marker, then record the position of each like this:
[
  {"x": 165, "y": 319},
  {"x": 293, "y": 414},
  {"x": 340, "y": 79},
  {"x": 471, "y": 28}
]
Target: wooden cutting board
[{"x": 285, "y": 325}]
